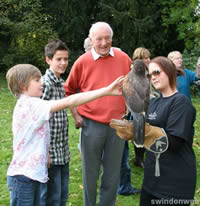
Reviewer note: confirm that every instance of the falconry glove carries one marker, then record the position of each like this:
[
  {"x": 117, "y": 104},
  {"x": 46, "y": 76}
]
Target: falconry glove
[{"x": 155, "y": 140}]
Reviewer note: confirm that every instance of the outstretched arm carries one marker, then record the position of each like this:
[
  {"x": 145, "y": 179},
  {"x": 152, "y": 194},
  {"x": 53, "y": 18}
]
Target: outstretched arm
[{"x": 114, "y": 89}]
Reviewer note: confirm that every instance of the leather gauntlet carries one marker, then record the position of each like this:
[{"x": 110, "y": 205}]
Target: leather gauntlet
[{"x": 155, "y": 137}]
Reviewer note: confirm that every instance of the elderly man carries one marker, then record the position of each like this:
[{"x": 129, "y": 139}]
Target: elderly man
[{"x": 99, "y": 143}]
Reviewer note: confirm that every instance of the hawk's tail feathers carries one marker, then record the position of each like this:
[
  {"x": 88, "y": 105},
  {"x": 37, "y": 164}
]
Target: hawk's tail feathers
[{"x": 138, "y": 129}]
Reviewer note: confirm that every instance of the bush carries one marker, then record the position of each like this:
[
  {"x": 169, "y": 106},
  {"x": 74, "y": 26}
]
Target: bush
[
  {"x": 190, "y": 58},
  {"x": 24, "y": 31}
]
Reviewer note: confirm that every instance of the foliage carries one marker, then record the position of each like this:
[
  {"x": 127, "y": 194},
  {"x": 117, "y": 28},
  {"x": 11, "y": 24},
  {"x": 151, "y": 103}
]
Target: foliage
[
  {"x": 184, "y": 16},
  {"x": 190, "y": 58},
  {"x": 135, "y": 23},
  {"x": 72, "y": 20},
  {"x": 24, "y": 30},
  {"x": 161, "y": 26},
  {"x": 7, "y": 103}
]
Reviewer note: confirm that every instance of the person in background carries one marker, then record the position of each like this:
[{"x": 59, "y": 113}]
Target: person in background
[
  {"x": 27, "y": 173},
  {"x": 99, "y": 141},
  {"x": 185, "y": 77},
  {"x": 87, "y": 44},
  {"x": 57, "y": 54},
  {"x": 143, "y": 54}
]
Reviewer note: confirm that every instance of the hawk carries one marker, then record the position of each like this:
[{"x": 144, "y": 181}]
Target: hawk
[{"x": 136, "y": 91}]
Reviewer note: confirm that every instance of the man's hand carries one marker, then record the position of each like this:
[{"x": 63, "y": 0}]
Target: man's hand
[{"x": 77, "y": 118}]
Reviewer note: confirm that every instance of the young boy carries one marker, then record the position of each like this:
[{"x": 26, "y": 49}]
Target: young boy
[
  {"x": 27, "y": 173},
  {"x": 56, "y": 54}
]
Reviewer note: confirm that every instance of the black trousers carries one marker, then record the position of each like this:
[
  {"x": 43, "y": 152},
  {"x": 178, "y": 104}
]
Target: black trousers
[{"x": 139, "y": 154}]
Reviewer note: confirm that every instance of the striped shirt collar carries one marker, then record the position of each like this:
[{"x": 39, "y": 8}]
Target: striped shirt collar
[{"x": 97, "y": 56}]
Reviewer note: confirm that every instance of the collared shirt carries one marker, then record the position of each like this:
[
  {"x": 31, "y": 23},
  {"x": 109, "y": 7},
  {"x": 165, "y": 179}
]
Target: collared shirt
[
  {"x": 59, "y": 148},
  {"x": 97, "y": 56}
]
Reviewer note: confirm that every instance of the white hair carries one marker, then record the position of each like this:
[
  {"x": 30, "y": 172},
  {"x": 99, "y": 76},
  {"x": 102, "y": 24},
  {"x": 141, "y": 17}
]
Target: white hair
[
  {"x": 172, "y": 54},
  {"x": 87, "y": 44},
  {"x": 97, "y": 25}
]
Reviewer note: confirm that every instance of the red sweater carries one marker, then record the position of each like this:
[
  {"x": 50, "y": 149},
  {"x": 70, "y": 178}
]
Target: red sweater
[{"x": 87, "y": 74}]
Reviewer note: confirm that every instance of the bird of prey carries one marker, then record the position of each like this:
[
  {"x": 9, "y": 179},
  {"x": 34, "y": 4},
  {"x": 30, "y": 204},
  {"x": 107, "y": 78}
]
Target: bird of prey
[{"x": 136, "y": 91}]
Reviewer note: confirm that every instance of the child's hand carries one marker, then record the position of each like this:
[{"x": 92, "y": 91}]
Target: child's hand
[{"x": 114, "y": 88}]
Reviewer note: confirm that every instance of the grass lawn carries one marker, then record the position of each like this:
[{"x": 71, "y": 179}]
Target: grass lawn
[{"x": 7, "y": 102}]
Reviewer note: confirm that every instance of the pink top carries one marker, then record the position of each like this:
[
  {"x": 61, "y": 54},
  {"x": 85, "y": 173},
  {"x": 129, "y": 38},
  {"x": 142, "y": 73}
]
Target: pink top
[{"x": 31, "y": 138}]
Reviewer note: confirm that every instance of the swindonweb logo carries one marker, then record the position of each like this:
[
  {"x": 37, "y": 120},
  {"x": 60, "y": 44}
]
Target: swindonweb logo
[{"x": 173, "y": 201}]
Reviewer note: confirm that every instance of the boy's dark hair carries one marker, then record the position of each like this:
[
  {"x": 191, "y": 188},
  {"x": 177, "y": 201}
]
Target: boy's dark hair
[{"x": 53, "y": 46}]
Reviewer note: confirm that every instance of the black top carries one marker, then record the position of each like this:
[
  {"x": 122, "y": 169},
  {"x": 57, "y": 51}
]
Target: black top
[{"x": 176, "y": 115}]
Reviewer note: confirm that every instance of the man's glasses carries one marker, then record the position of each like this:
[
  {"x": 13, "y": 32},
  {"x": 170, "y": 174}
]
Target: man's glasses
[{"x": 155, "y": 73}]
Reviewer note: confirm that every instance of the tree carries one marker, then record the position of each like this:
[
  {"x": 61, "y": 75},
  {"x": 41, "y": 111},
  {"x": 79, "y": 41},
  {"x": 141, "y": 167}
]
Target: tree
[
  {"x": 184, "y": 15},
  {"x": 72, "y": 20},
  {"x": 24, "y": 30},
  {"x": 138, "y": 23},
  {"x": 160, "y": 26},
  {"x": 135, "y": 23}
]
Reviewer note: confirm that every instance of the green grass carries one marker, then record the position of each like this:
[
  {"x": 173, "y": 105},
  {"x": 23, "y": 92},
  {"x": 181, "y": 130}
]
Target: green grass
[{"x": 7, "y": 102}]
